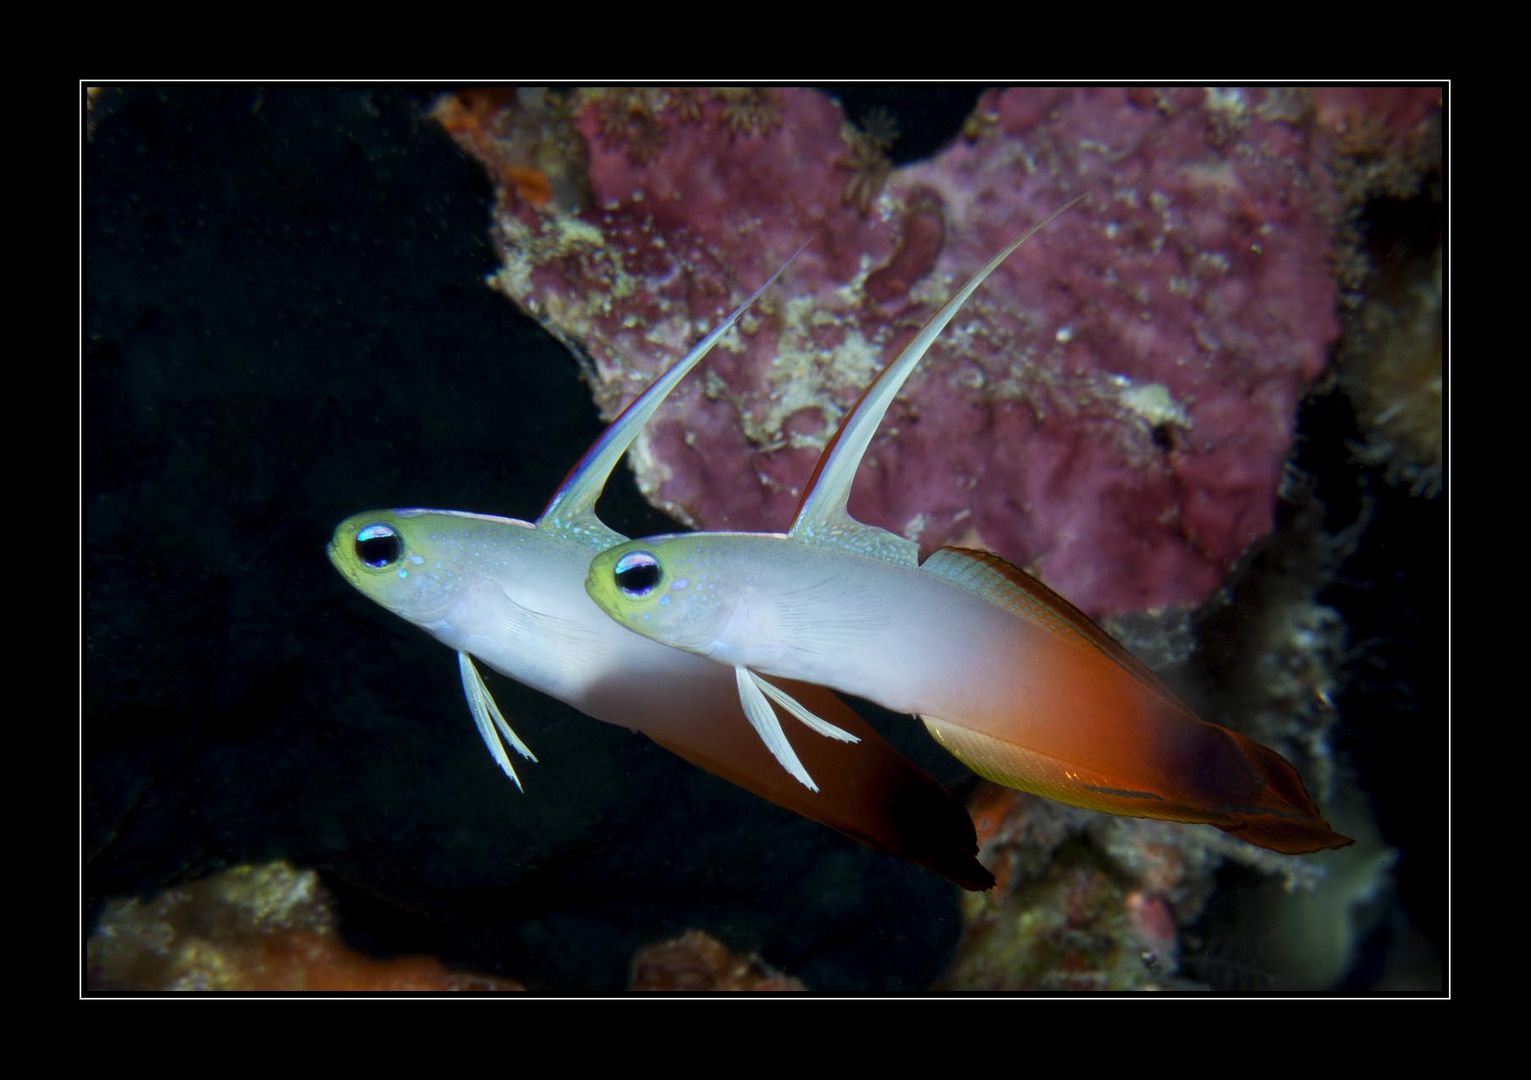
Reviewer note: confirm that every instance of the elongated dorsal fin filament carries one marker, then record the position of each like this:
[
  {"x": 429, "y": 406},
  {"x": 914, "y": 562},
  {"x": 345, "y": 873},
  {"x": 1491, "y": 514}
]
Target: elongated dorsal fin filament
[
  {"x": 571, "y": 511},
  {"x": 822, "y": 516}
]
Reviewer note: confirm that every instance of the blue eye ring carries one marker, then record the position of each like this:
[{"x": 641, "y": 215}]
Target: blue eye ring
[
  {"x": 637, "y": 573},
  {"x": 378, "y": 546}
]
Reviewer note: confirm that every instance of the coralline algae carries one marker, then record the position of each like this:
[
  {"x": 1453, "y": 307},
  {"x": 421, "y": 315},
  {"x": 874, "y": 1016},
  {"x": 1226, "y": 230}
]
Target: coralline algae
[
  {"x": 271, "y": 927},
  {"x": 1111, "y": 409}
]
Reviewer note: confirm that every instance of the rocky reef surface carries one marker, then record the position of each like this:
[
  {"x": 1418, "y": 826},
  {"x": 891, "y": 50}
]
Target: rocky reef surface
[
  {"x": 286, "y": 322},
  {"x": 1111, "y": 410}
]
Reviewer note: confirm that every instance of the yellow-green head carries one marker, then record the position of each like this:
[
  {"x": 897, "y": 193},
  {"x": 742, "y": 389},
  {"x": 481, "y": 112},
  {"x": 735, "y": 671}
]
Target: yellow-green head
[
  {"x": 658, "y": 587},
  {"x": 409, "y": 561}
]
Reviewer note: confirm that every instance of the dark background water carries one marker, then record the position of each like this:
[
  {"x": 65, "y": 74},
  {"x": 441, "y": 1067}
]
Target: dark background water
[{"x": 286, "y": 323}]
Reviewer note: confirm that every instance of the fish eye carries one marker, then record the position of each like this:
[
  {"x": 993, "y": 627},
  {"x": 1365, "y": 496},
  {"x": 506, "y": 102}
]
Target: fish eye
[
  {"x": 378, "y": 546},
  {"x": 637, "y": 573}
]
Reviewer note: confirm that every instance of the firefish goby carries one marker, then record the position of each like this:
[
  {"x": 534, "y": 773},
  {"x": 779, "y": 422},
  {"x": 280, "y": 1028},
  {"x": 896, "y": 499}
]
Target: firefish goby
[
  {"x": 1007, "y": 675},
  {"x": 511, "y": 594}
]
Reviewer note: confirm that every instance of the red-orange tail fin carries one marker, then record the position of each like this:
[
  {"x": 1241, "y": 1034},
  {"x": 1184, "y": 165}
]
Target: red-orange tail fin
[{"x": 1291, "y": 824}]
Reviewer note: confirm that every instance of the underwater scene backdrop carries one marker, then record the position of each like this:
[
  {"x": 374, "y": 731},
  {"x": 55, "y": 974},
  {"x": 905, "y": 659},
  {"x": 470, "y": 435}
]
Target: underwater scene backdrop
[{"x": 296, "y": 308}]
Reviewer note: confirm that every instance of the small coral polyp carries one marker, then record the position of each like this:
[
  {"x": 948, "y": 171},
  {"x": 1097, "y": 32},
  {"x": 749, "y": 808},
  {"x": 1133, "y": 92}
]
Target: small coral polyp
[{"x": 750, "y": 110}]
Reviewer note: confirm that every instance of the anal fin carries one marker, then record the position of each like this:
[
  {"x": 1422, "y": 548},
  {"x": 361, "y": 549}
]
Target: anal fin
[{"x": 1035, "y": 773}]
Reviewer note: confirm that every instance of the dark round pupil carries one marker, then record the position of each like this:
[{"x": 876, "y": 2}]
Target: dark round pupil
[
  {"x": 637, "y": 573},
  {"x": 378, "y": 546}
]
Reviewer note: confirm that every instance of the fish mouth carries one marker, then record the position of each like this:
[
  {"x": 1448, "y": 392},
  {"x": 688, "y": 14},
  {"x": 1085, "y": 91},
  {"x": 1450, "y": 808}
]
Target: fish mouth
[
  {"x": 593, "y": 579},
  {"x": 347, "y": 568}
]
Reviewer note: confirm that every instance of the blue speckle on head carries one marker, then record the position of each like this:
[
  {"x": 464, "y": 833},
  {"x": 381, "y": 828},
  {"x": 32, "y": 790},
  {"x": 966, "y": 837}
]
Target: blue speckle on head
[
  {"x": 680, "y": 583},
  {"x": 663, "y": 600},
  {"x": 403, "y": 572}
]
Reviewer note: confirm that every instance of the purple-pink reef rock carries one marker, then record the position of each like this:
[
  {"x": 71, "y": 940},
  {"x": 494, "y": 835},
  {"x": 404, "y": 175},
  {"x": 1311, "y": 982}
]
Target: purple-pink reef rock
[{"x": 1112, "y": 408}]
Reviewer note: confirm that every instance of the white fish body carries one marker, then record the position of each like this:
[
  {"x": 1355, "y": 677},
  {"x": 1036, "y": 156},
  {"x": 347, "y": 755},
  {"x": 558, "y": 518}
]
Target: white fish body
[
  {"x": 511, "y": 593},
  {"x": 1008, "y": 676}
]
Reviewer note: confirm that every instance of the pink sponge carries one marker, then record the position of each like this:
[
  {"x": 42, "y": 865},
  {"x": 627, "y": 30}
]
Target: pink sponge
[{"x": 1111, "y": 409}]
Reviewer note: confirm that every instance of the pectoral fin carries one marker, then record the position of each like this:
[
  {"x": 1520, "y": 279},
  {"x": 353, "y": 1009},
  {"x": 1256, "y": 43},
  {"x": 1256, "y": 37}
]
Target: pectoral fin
[
  {"x": 753, "y": 692},
  {"x": 791, "y": 704},
  {"x": 763, "y": 719},
  {"x": 491, "y": 724}
]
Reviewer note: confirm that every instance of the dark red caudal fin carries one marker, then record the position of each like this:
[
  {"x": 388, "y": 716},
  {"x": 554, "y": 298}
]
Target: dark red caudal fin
[{"x": 1289, "y": 822}]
